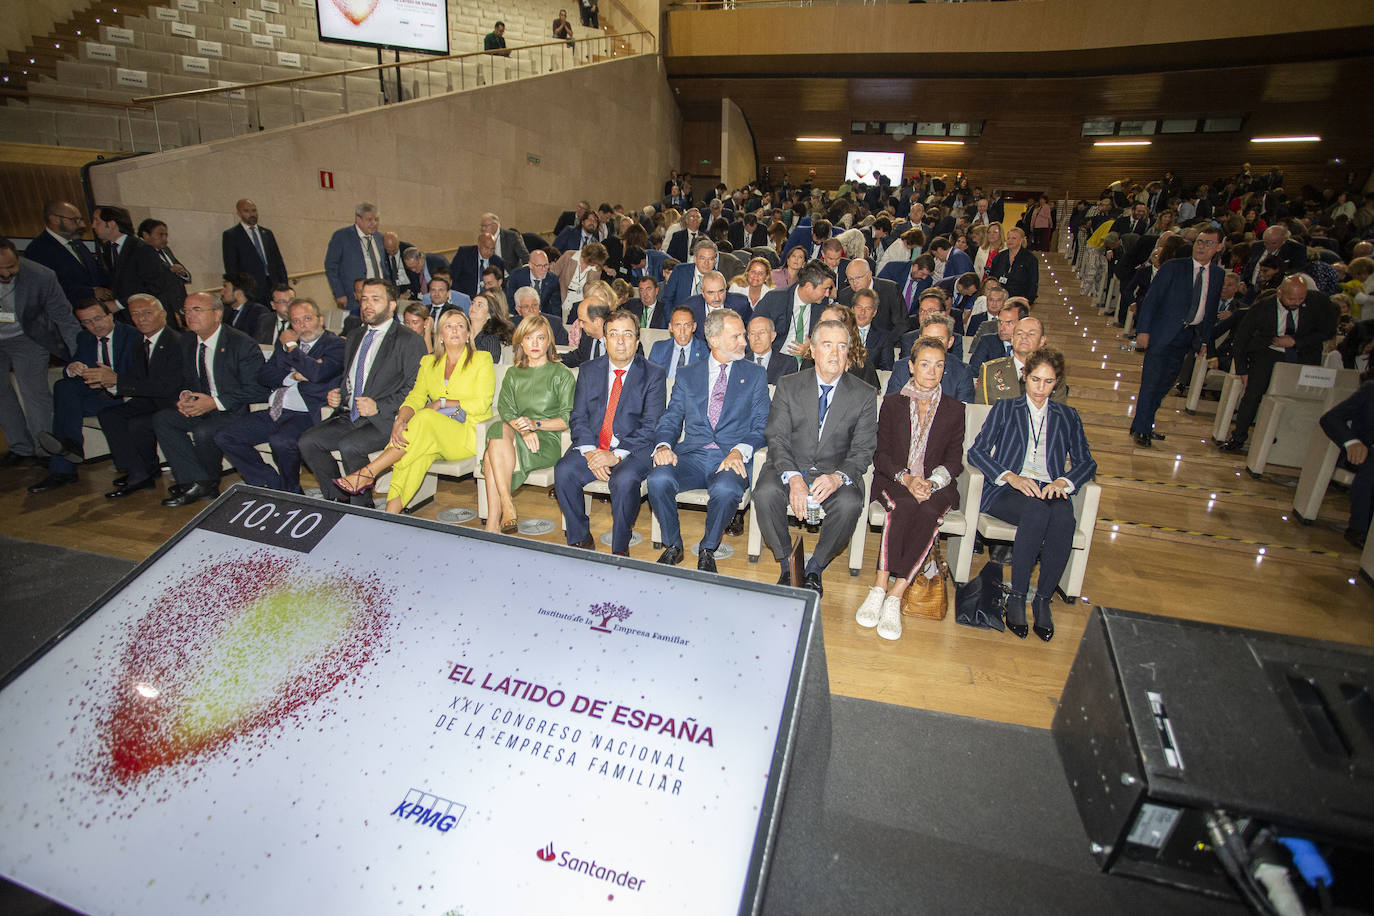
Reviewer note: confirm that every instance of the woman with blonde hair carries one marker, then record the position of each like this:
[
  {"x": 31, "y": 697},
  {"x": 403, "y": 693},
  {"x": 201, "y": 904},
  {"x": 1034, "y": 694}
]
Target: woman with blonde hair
[
  {"x": 987, "y": 250},
  {"x": 536, "y": 399},
  {"x": 755, "y": 282},
  {"x": 438, "y": 419}
]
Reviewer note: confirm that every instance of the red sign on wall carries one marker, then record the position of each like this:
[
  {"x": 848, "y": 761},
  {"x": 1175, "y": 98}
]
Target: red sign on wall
[{"x": 326, "y": 180}]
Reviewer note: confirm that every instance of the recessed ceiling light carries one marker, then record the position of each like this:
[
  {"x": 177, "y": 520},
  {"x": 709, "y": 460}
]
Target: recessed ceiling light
[
  {"x": 1121, "y": 143},
  {"x": 942, "y": 142},
  {"x": 818, "y": 140},
  {"x": 1305, "y": 139}
]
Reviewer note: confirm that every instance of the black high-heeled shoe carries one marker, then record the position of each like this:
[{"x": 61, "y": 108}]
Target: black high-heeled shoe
[
  {"x": 1044, "y": 620},
  {"x": 1014, "y": 606}
]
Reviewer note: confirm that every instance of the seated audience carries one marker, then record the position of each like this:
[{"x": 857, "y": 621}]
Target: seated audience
[
  {"x": 416, "y": 317},
  {"x": 1006, "y": 377},
  {"x": 1350, "y": 424},
  {"x": 487, "y": 315},
  {"x": 149, "y": 386}
]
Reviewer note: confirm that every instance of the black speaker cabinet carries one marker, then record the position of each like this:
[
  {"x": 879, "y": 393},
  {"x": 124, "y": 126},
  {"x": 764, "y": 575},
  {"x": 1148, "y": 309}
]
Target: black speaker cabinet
[{"x": 1163, "y": 720}]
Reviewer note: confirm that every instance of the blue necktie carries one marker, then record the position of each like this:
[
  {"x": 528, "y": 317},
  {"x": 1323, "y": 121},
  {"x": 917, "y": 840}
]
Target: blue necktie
[
  {"x": 257, "y": 245},
  {"x": 358, "y": 373},
  {"x": 824, "y": 406}
]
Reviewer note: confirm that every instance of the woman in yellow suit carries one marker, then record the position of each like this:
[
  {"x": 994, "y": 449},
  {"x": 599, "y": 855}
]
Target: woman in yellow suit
[{"x": 438, "y": 419}]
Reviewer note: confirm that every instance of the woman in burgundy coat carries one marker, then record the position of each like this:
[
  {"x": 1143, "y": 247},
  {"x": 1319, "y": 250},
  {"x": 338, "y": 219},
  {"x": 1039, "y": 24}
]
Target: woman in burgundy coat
[{"x": 915, "y": 470}]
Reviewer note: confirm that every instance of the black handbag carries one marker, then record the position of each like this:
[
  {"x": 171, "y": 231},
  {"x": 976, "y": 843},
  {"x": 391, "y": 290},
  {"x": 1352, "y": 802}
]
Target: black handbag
[{"x": 979, "y": 601}]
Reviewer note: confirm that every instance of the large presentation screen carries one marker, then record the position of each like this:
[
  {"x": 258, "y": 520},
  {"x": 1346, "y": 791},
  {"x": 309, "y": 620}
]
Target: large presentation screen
[
  {"x": 297, "y": 707},
  {"x": 405, "y": 25},
  {"x": 860, "y": 165}
]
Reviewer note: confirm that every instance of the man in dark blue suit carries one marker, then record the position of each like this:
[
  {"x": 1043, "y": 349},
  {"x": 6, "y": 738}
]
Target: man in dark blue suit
[
  {"x": 719, "y": 410},
  {"x": 810, "y": 234},
  {"x": 421, "y": 268},
  {"x": 60, "y": 249},
  {"x": 796, "y": 309},
  {"x": 219, "y": 381},
  {"x": 878, "y": 342},
  {"x": 355, "y": 252},
  {"x": 761, "y": 335},
  {"x": 470, "y": 260},
  {"x": 241, "y": 310},
  {"x": 101, "y": 342},
  {"x": 891, "y": 314},
  {"x": 134, "y": 265},
  {"x": 525, "y": 304},
  {"x": 683, "y": 348},
  {"x": 683, "y": 242},
  {"x": 151, "y": 385},
  {"x": 536, "y": 275},
  {"x": 1174, "y": 319},
  {"x": 685, "y": 280},
  {"x": 913, "y": 278},
  {"x": 957, "y": 381},
  {"x": 998, "y": 346},
  {"x": 306, "y": 363},
  {"x": 713, "y": 296},
  {"x": 1350, "y": 424},
  {"x": 616, "y": 408},
  {"x": 251, "y": 249},
  {"x": 580, "y": 234},
  {"x": 1275, "y": 241}
]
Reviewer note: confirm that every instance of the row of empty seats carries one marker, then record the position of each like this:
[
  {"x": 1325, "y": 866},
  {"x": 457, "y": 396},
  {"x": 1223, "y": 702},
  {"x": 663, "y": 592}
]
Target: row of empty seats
[{"x": 193, "y": 45}]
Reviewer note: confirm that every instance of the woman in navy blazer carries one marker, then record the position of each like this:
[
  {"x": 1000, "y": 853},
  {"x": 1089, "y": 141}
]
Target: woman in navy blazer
[{"x": 1021, "y": 451}]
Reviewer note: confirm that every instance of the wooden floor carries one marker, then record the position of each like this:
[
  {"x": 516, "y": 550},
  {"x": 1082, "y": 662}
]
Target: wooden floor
[{"x": 1184, "y": 532}]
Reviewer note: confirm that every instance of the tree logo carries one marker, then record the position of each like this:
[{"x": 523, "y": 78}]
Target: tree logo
[{"x": 606, "y": 612}]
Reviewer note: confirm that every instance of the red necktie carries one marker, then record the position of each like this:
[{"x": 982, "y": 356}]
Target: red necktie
[{"x": 611, "y": 403}]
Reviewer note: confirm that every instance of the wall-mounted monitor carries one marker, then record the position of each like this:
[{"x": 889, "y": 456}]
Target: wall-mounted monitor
[
  {"x": 403, "y": 25},
  {"x": 861, "y": 164}
]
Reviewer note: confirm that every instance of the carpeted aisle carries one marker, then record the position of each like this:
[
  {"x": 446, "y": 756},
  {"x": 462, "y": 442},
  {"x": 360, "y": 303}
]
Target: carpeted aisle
[{"x": 923, "y": 812}]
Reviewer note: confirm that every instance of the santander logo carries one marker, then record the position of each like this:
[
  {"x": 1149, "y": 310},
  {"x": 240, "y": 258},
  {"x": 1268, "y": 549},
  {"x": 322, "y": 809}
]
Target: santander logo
[{"x": 546, "y": 854}]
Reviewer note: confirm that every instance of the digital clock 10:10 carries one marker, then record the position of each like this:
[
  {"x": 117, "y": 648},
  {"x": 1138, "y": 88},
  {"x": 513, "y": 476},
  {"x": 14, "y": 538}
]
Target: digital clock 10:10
[
  {"x": 282, "y": 524},
  {"x": 268, "y": 512}
]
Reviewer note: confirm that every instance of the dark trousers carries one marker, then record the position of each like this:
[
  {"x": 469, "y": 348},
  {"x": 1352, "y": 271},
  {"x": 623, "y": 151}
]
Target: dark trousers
[
  {"x": 571, "y": 474},
  {"x": 189, "y": 443},
  {"x": 1362, "y": 495},
  {"x": 694, "y": 471},
  {"x": 1157, "y": 375},
  {"x": 841, "y": 512},
  {"x": 1256, "y": 384},
  {"x": 128, "y": 428},
  {"x": 72, "y": 401},
  {"x": 1041, "y": 239},
  {"x": 355, "y": 445},
  {"x": 1044, "y": 531},
  {"x": 240, "y": 439}
]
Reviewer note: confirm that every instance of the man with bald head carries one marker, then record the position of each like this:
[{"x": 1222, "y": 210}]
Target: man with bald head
[
  {"x": 470, "y": 260},
  {"x": 59, "y": 248},
  {"x": 1275, "y": 241},
  {"x": 252, "y": 249},
  {"x": 1289, "y": 327},
  {"x": 1005, "y": 377},
  {"x": 535, "y": 274}
]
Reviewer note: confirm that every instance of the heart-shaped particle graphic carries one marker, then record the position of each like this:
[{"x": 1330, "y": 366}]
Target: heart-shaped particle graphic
[
  {"x": 232, "y": 651},
  {"x": 356, "y": 10}
]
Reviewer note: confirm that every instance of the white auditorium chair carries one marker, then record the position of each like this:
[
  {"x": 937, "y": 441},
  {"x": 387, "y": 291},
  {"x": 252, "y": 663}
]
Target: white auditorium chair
[
  {"x": 543, "y": 477},
  {"x": 1297, "y": 396},
  {"x": 1318, "y": 470}
]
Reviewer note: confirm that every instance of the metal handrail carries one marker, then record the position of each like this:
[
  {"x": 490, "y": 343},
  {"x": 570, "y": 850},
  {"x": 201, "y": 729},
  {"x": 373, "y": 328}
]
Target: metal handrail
[
  {"x": 77, "y": 99},
  {"x": 373, "y": 68}
]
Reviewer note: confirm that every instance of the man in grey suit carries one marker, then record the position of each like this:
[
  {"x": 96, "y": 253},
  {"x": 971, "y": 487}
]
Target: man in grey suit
[
  {"x": 36, "y": 323},
  {"x": 822, "y": 431},
  {"x": 510, "y": 247},
  {"x": 355, "y": 251},
  {"x": 380, "y": 364}
]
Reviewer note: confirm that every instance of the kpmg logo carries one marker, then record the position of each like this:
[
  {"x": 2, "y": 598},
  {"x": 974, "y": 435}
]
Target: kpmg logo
[
  {"x": 590, "y": 868},
  {"x": 427, "y": 810},
  {"x": 606, "y": 612}
]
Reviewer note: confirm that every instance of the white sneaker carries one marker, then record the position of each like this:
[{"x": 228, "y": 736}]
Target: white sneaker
[
  {"x": 890, "y": 624},
  {"x": 871, "y": 609}
]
